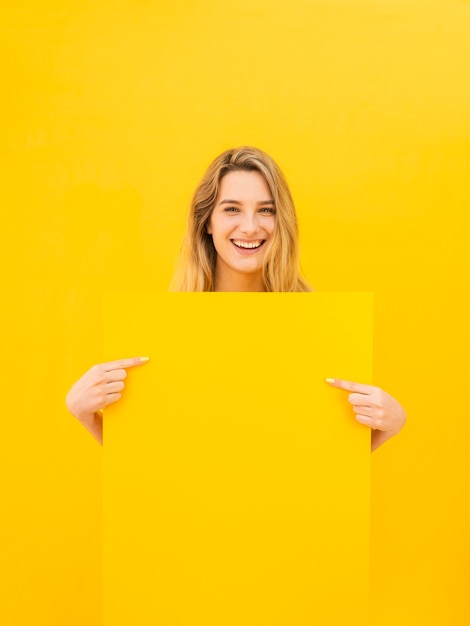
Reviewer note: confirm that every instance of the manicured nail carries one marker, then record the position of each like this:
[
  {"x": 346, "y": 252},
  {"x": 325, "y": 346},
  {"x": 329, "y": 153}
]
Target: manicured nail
[
  {"x": 330, "y": 380},
  {"x": 144, "y": 359}
]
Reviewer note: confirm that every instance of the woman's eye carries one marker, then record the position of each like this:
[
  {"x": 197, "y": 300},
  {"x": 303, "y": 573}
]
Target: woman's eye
[
  {"x": 230, "y": 209},
  {"x": 268, "y": 210}
]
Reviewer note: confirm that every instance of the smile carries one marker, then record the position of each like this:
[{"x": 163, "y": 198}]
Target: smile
[{"x": 250, "y": 245}]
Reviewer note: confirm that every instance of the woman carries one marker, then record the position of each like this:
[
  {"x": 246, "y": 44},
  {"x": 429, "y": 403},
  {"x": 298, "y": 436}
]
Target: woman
[{"x": 241, "y": 236}]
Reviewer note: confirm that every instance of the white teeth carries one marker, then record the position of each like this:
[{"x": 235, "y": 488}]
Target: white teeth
[{"x": 247, "y": 244}]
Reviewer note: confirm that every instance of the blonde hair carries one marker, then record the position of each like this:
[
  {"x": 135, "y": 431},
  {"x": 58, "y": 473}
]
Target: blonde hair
[{"x": 281, "y": 268}]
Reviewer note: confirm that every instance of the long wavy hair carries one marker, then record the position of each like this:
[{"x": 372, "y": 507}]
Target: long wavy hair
[{"x": 197, "y": 262}]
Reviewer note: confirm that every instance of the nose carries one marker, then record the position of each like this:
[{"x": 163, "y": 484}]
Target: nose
[{"x": 249, "y": 224}]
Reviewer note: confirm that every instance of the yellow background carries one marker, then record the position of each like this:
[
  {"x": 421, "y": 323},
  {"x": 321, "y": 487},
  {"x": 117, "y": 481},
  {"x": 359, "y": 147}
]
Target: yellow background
[
  {"x": 236, "y": 485},
  {"x": 111, "y": 112}
]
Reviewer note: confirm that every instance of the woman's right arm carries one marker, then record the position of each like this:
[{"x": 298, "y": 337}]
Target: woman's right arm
[{"x": 100, "y": 386}]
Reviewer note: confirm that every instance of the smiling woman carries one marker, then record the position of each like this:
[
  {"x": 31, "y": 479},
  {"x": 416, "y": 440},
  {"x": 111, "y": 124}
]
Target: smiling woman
[
  {"x": 241, "y": 236},
  {"x": 242, "y": 199}
]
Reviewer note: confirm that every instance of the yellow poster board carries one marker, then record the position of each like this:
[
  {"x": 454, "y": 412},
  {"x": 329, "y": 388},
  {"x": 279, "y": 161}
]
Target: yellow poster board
[{"x": 236, "y": 487}]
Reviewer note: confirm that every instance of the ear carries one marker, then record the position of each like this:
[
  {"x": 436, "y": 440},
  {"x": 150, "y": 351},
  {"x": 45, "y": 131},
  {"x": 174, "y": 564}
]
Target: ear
[{"x": 208, "y": 228}]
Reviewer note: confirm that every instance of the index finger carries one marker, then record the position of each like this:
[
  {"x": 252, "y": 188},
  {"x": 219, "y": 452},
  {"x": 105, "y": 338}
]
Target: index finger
[
  {"x": 350, "y": 386},
  {"x": 125, "y": 363}
]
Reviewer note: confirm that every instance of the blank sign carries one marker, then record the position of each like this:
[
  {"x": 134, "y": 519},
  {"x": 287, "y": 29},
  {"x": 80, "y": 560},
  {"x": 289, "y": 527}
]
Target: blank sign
[{"x": 236, "y": 480}]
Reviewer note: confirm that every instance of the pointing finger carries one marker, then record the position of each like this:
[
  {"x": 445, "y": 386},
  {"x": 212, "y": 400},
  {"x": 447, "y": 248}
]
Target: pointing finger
[
  {"x": 350, "y": 386},
  {"x": 125, "y": 363}
]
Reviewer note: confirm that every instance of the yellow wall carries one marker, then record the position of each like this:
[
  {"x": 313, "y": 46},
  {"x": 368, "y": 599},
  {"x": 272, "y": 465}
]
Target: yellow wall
[{"x": 112, "y": 110}]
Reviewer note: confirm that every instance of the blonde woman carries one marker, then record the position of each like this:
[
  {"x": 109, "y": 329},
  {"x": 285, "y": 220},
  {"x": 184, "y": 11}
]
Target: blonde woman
[{"x": 241, "y": 236}]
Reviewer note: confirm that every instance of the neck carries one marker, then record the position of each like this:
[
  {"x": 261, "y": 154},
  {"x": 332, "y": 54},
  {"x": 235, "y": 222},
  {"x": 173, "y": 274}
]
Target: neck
[{"x": 233, "y": 281}]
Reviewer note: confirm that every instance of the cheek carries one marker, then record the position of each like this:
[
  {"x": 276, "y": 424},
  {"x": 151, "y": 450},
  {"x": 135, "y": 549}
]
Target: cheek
[
  {"x": 219, "y": 228},
  {"x": 272, "y": 226}
]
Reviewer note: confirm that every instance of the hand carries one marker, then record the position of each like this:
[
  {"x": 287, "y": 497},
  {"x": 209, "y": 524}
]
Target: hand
[
  {"x": 100, "y": 386},
  {"x": 373, "y": 406}
]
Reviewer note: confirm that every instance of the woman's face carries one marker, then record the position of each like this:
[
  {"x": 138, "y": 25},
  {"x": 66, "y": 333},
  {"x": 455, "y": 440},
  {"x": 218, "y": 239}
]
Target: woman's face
[{"x": 242, "y": 223}]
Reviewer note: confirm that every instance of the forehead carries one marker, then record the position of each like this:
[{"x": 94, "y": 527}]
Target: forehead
[{"x": 244, "y": 185}]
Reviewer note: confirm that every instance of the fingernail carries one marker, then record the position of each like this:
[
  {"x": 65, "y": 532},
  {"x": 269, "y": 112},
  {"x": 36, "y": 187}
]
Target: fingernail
[
  {"x": 144, "y": 359},
  {"x": 330, "y": 380}
]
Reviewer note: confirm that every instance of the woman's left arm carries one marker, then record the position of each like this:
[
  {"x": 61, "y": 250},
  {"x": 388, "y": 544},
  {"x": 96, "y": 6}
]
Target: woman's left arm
[{"x": 374, "y": 408}]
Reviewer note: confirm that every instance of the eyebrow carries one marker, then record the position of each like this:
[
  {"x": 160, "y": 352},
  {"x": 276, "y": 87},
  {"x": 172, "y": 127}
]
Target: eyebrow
[{"x": 261, "y": 202}]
